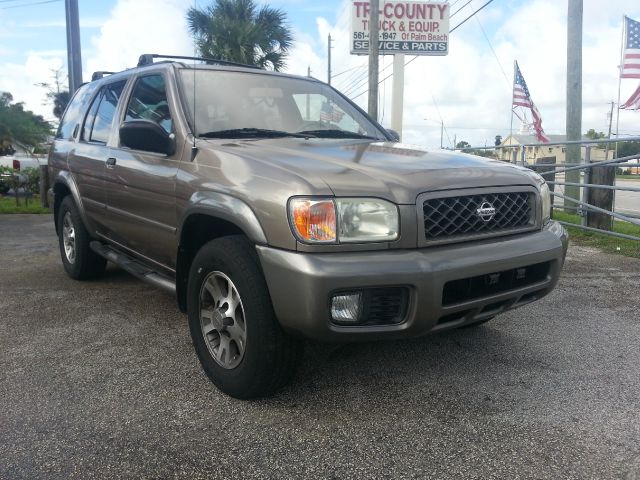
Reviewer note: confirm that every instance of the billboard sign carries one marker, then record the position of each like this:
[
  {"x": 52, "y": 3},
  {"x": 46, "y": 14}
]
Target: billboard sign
[{"x": 414, "y": 28}]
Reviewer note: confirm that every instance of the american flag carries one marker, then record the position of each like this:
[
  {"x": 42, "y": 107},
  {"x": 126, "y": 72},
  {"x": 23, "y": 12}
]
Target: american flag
[
  {"x": 328, "y": 113},
  {"x": 631, "y": 58},
  {"x": 522, "y": 98},
  {"x": 634, "y": 101}
]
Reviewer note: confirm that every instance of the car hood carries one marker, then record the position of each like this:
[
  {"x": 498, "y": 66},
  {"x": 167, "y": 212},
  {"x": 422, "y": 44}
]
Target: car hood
[{"x": 398, "y": 172}]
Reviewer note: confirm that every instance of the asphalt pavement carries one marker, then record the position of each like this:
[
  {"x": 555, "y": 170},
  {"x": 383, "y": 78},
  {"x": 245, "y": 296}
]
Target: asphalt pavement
[{"x": 99, "y": 380}]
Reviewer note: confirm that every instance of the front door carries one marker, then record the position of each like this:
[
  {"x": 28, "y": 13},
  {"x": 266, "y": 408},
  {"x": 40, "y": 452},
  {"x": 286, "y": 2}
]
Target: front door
[{"x": 141, "y": 211}]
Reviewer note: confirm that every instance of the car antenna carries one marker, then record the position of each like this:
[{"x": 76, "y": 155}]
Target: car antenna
[{"x": 194, "y": 149}]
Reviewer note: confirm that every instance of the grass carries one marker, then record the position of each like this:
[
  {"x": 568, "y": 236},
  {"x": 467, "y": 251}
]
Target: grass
[
  {"x": 621, "y": 246},
  {"x": 623, "y": 176},
  {"x": 8, "y": 205}
]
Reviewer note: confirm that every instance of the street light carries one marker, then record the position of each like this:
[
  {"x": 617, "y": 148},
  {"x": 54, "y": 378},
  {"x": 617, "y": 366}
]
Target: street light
[{"x": 441, "y": 128}]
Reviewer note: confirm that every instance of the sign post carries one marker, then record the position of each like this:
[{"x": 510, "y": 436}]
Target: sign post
[
  {"x": 397, "y": 93},
  {"x": 404, "y": 27}
]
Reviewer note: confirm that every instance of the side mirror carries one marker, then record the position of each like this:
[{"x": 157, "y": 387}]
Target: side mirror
[
  {"x": 148, "y": 136},
  {"x": 395, "y": 135}
]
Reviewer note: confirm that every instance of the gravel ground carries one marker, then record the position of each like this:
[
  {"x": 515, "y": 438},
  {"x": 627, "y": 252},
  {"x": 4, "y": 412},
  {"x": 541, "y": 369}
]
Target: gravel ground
[{"x": 99, "y": 380}]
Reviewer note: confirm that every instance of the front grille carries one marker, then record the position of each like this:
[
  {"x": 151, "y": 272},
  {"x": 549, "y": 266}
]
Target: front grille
[
  {"x": 473, "y": 288},
  {"x": 460, "y": 216}
]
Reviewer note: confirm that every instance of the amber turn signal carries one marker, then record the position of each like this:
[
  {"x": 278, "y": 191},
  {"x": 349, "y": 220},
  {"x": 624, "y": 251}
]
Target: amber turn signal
[{"x": 313, "y": 220}]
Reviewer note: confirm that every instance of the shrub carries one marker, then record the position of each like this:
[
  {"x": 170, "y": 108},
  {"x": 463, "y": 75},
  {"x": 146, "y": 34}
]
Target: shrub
[
  {"x": 33, "y": 179},
  {"x": 6, "y": 179}
]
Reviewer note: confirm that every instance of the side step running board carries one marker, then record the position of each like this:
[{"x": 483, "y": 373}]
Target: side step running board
[{"x": 134, "y": 267}]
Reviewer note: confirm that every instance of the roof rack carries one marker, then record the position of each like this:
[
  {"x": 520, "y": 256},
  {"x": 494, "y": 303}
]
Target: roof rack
[
  {"x": 100, "y": 74},
  {"x": 147, "y": 59}
]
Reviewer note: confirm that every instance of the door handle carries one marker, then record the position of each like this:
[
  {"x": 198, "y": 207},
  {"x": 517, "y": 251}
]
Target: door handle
[{"x": 111, "y": 163}]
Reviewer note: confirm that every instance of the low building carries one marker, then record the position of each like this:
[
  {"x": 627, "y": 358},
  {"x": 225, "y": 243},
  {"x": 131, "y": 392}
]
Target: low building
[{"x": 533, "y": 152}]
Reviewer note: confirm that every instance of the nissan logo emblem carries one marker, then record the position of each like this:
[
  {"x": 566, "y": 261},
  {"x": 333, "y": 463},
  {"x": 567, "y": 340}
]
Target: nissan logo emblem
[{"x": 486, "y": 212}]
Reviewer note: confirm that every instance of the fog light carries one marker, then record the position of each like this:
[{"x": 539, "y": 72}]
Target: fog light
[{"x": 345, "y": 308}]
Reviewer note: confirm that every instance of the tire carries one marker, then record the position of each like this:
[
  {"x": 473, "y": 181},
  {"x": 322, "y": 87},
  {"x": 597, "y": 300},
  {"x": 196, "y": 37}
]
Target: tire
[
  {"x": 239, "y": 342},
  {"x": 79, "y": 261}
]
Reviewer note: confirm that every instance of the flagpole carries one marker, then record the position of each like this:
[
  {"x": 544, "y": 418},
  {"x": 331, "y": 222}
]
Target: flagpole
[
  {"x": 620, "y": 68},
  {"x": 514, "y": 81}
]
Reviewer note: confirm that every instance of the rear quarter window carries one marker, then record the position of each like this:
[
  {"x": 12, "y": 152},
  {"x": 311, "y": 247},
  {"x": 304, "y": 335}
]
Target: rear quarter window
[{"x": 73, "y": 114}]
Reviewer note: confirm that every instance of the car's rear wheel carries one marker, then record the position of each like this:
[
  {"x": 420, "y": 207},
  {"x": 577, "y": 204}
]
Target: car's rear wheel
[
  {"x": 237, "y": 338},
  {"x": 79, "y": 261}
]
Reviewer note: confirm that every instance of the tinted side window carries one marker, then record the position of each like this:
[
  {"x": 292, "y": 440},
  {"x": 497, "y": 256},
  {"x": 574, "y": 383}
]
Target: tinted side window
[
  {"x": 73, "y": 115},
  {"x": 149, "y": 102},
  {"x": 91, "y": 117},
  {"x": 105, "y": 112}
]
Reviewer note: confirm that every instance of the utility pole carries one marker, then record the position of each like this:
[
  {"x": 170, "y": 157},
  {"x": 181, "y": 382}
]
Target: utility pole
[
  {"x": 74, "y": 55},
  {"x": 610, "y": 115},
  {"x": 574, "y": 97},
  {"x": 328, "y": 59},
  {"x": 441, "y": 133},
  {"x": 373, "y": 59}
]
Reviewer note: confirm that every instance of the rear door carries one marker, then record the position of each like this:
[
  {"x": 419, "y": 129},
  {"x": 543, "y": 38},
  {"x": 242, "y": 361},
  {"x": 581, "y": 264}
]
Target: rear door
[
  {"x": 141, "y": 184},
  {"x": 87, "y": 159}
]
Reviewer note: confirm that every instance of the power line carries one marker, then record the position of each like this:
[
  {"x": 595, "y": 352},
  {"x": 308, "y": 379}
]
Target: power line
[
  {"x": 29, "y": 4},
  {"x": 460, "y": 8},
  {"x": 337, "y": 74},
  {"x": 351, "y": 80},
  {"x": 493, "y": 51},
  {"x": 357, "y": 83},
  {"x": 362, "y": 83},
  {"x": 465, "y": 20}
]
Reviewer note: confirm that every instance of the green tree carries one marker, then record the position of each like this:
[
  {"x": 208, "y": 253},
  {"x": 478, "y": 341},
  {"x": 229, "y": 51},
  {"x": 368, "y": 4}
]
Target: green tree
[
  {"x": 593, "y": 135},
  {"x": 239, "y": 31},
  {"x": 56, "y": 93},
  {"x": 19, "y": 126},
  {"x": 626, "y": 149},
  {"x": 462, "y": 144}
]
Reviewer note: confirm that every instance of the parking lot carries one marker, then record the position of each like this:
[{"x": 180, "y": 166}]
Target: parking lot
[{"x": 99, "y": 380}]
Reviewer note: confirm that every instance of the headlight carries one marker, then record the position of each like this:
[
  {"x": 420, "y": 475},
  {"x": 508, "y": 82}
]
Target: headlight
[
  {"x": 545, "y": 197},
  {"x": 344, "y": 220}
]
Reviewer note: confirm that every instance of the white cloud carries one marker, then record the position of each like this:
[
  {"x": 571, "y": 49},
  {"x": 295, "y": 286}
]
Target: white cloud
[
  {"x": 468, "y": 86},
  {"x": 21, "y": 79},
  {"x": 472, "y": 94},
  {"x": 140, "y": 26}
]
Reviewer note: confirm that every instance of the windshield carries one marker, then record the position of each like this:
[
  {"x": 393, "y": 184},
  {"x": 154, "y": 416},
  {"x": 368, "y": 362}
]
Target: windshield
[{"x": 237, "y": 104}]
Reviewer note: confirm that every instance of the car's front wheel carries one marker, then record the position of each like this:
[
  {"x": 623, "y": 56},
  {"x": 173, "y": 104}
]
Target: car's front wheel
[{"x": 237, "y": 338}]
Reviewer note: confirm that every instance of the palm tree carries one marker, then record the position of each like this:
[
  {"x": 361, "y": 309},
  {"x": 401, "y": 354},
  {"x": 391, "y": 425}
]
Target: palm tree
[{"x": 237, "y": 31}]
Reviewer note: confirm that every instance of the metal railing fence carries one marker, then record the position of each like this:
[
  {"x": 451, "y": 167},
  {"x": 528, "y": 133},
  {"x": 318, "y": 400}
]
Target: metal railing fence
[{"x": 518, "y": 155}]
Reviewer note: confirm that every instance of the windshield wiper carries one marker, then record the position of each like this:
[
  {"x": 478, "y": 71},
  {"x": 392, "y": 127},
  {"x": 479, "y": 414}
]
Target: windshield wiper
[
  {"x": 252, "y": 133},
  {"x": 335, "y": 133}
]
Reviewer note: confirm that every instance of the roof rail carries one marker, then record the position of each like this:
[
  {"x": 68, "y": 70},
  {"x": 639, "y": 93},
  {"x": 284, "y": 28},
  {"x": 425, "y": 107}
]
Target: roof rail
[
  {"x": 100, "y": 74},
  {"x": 147, "y": 59}
]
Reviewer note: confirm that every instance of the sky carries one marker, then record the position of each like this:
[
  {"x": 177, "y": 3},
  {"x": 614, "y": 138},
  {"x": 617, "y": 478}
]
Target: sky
[{"x": 468, "y": 90}]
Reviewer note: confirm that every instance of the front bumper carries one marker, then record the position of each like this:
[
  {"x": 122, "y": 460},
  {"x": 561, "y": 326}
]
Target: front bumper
[{"x": 301, "y": 284}]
